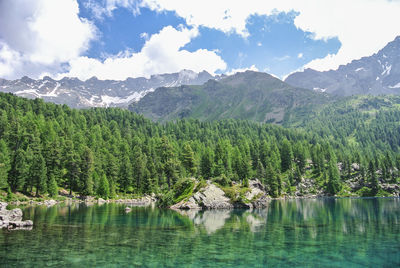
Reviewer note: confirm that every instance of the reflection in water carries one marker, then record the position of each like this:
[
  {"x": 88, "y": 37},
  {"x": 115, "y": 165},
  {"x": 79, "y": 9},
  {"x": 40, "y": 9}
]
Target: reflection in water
[{"x": 320, "y": 232}]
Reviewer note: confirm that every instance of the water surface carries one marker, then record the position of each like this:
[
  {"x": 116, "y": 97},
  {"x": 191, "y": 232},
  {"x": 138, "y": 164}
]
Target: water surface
[{"x": 311, "y": 233}]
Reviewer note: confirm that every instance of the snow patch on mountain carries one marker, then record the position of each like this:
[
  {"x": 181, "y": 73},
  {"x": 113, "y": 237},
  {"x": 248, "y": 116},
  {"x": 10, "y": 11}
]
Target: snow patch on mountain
[{"x": 99, "y": 93}]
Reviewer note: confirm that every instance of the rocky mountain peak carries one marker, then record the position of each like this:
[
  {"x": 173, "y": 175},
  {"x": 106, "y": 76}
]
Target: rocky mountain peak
[
  {"x": 98, "y": 93},
  {"x": 375, "y": 74}
]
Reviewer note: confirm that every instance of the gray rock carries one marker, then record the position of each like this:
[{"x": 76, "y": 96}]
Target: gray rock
[
  {"x": 12, "y": 219},
  {"x": 3, "y": 206},
  {"x": 50, "y": 202},
  {"x": 101, "y": 201},
  {"x": 209, "y": 197},
  {"x": 15, "y": 214},
  {"x": 212, "y": 197}
]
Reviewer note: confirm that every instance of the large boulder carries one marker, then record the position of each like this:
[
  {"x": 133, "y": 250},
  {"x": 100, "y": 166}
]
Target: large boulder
[
  {"x": 212, "y": 197},
  {"x": 12, "y": 218},
  {"x": 256, "y": 195},
  {"x": 209, "y": 197}
]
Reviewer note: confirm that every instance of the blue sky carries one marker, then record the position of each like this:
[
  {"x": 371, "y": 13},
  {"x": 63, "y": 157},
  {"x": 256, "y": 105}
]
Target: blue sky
[
  {"x": 274, "y": 45},
  {"x": 116, "y": 39}
]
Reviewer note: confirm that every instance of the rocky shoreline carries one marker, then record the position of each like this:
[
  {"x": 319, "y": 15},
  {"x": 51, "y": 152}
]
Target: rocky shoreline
[
  {"x": 89, "y": 200},
  {"x": 12, "y": 219}
]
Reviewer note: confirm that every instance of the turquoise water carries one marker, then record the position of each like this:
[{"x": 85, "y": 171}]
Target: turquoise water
[{"x": 297, "y": 233}]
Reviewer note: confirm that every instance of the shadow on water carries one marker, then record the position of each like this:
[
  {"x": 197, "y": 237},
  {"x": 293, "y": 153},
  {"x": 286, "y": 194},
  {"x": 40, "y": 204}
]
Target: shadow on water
[{"x": 323, "y": 232}]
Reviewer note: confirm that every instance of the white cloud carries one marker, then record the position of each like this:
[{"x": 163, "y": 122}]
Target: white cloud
[
  {"x": 47, "y": 36},
  {"x": 106, "y": 7},
  {"x": 240, "y": 70},
  {"x": 283, "y": 58},
  {"x": 362, "y": 26},
  {"x": 161, "y": 53},
  {"x": 300, "y": 55},
  {"x": 39, "y": 36}
]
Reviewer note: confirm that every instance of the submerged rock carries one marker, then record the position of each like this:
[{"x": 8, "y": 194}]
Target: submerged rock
[{"x": 12, "y": 219}]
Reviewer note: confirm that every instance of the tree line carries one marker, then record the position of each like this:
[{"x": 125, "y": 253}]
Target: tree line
[{"x": 109, "y": 152}]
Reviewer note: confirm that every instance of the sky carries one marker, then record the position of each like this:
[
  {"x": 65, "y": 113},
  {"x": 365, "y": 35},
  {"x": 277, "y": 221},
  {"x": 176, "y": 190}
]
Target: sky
[{"x": 116, "y": 39}]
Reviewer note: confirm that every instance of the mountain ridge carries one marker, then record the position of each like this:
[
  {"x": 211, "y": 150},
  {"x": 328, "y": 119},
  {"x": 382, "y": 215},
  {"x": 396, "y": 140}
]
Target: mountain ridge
[
  {"x": 248, "y": 95},
  {"x": 94, "y": 92},
  {"x": 376, "y": 74}
]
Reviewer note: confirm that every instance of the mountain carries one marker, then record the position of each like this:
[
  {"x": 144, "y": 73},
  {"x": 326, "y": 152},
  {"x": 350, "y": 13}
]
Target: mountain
[
  {"x": 377, "y": 74},
  {"x": 98, "y": 93},
  {"x": 249, "y": 95}
]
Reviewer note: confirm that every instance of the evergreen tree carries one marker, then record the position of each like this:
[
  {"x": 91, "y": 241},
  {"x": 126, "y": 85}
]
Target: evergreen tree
[
  {"x": 4, "y": 164},
  {"x": 86, "y": 172},
  {"x": 72, "y": 168},
  {"x": 272, "y": 181},
  {"x": 104, "y": 187},
  {"x": 139, "y": 169},
  {"x": 125, "y": 174},
  {"x": 260, "y": 171},
  {"x": 207, "y": 164},
  {"x": 52, "y": 186},
  {"x": 19, "y": 171},
  {"x": 286, "y": 156},
  {"x": 333, "y": 185},
  {"x": 373, "y": 179},
  {"x": 188, "y": 160}
]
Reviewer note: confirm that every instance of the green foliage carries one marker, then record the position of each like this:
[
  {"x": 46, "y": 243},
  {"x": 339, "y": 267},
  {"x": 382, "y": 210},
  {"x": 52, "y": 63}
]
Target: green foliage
[
  {"x": 53, "y": 188},
  {"x": 113, "y": 151},
  {"x": 183, "y": 189},
  {"x": 223, "y": 180},
  {"x": 364, "y": 192},
  {"x": 104, "y": 187},
  {"x": 9, "y": 195},
  {"x": 4, "y": 164},
  {"x": 333, "y": 185},
  {"x": 250, "y": 95}
]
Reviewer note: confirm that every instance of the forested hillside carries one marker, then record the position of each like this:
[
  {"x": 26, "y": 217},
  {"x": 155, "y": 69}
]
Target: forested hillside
[
  {"x": 254, "y": 96},
  {"x": 107, "y": 152}
]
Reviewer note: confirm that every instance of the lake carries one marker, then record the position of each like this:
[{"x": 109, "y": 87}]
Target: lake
[{"x": 309, "y": 232}]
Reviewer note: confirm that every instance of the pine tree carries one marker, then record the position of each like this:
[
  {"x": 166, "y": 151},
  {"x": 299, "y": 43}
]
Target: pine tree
[
  {"x": 104, "y": 187},
  {"x": 333, "y": 186},
  {"x": 72, "y": 167},
  {"x": 18, "y": 173},
  {"x": 188, "y": 160},
  {"x": 260, "y": 171},
  {"x": 125, "y": 174},
  {"x": 52, "y": 186},
  {"x": 286, "y": 156},
  {"x": 207, "y": 164},
  {"x": 4, "y": 164},
  {"x": 373, "y": 179},
  {"x": 37, "y": 174},
  {"x": 271, "y": 180},
  {"x": 86, "y": 172},
  {"x": 111, "y": 171},
  {"x": 139, "y": 169}
]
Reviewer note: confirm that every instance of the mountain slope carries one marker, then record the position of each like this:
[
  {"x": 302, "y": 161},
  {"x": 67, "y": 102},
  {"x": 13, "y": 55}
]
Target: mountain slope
[
  {"x": 98, "y": 93},
  {"x": 376, "y": 74},
  {"x": 250, "y": 95}
]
